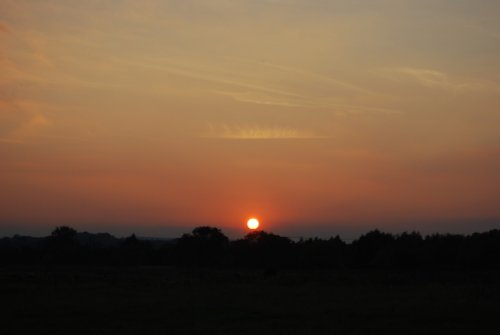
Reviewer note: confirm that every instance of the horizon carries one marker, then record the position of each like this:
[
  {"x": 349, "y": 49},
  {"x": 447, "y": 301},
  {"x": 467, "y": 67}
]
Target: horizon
[
  {"x": 317, "y": 117},
  {"x": 346, "y": 234}
]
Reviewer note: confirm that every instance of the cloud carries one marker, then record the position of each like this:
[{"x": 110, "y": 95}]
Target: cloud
[
  {"x": 261, "y": 98},
  {"x": 312, "y": 76},
  {"x": 204, "y": 71},
  {"x": 344, "y": 109},
  {"x": 10, "y": 141},
  {"x": 4, "y": 28},
  {"x": 35, "y": 123},
  {"x": 236, "y": 132},
  {"x": 436, "y": 79},
  {"x": 20, "y": 119}
]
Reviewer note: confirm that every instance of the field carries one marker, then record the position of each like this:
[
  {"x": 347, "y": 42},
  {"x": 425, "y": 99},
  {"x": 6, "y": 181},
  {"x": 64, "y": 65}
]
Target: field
[{"x": 161, "y": 300}]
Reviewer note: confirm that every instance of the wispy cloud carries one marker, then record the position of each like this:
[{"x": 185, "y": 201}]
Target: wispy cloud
[
  {"x": 3, "y": 27},
  {"x": 206, "y": 72},
  {"x": 21, "y": 119},
  {"x": 236, "y": 132},
  {"x": 10, "y": 141},
  {"x": 344, "y": 109},
  {"x": 261, "y": 98},
  {"x": 312, "y": 76},
  {"x": 436, "y": 79}
]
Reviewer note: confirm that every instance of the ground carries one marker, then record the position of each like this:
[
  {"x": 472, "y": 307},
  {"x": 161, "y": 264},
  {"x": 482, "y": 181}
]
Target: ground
[{"x": 163, "y": 300}]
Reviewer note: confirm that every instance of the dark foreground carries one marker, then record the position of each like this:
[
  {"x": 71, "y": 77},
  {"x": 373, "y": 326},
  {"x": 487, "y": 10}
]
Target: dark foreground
[{"x": 111, "y": 300}]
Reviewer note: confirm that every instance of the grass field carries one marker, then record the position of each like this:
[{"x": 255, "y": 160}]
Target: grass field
[{"x": 159, "y": 300}]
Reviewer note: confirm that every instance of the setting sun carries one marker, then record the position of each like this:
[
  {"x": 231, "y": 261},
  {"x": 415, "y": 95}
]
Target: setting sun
[{"x": 253, "y": 223}]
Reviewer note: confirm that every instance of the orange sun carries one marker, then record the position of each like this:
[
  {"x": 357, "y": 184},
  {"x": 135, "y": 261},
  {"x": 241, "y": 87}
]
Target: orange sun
[{"x": 253, "y": 224}]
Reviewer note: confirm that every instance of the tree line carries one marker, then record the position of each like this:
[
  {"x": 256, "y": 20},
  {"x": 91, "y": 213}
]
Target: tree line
[{"x": 209, "y": 247}]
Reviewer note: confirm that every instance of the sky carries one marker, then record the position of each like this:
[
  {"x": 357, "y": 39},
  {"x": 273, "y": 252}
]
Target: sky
[{"x": 319, "y": 117}]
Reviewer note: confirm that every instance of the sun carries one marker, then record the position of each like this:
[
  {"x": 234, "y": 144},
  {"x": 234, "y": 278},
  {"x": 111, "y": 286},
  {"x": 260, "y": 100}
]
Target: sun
[{"x": 253, "y": 223}]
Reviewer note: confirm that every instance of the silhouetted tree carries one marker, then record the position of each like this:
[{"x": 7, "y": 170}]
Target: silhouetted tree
[
  {"x": 64, "y": 235},
  {"x": 482, "y": 250},
  {"x": 62, "y": 246},
  {"x": 20, "y": 250},
  {"x": 208, "y": 246},
  {"x": 263, "y": 249},
  {"x": 442, "y": 251},
  {"x": 321, "y": 253},
  {"x": 204, "y": 246},
  {"x": 407, "y": 251},
  {"x": 133, "y": 251},
  {"x": 373, "y": 249}
]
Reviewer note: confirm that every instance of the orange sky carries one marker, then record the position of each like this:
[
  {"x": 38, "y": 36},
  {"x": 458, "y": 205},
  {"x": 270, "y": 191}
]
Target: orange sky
[{"x": 316, "y": 116}]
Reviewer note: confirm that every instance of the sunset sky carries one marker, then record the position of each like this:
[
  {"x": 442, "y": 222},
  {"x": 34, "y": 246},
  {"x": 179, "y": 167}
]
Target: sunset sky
[{"x": 317, "y": 116}]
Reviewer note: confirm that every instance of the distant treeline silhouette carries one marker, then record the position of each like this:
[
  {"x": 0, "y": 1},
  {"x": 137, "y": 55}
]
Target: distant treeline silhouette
[{"x": 208, "y": 246}]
